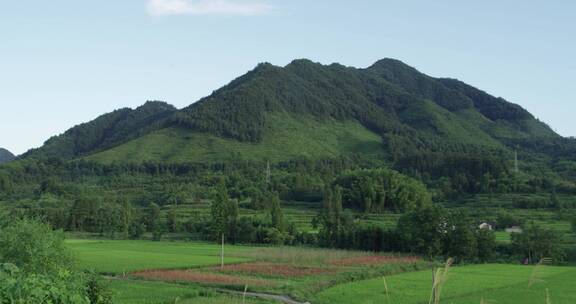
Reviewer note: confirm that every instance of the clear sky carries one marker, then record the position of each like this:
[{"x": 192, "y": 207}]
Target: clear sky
[{"x": 63, "y": 62}]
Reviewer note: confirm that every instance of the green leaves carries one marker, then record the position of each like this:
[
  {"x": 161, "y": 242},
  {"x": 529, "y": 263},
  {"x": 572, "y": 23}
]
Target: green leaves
[
  {"x": 34, "y": 248},
  {"x": 379, "y": 190}
]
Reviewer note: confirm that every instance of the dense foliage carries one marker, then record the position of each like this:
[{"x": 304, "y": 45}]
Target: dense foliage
[
  {"x": 33, "y": 247},
  {"x": 105, "y": 131},
  {"x": 36, "y": 268},
  {"x": 536, "y": 243},
  {"x": 409, "y": 110},
  {"x": 381, "y": 189}
]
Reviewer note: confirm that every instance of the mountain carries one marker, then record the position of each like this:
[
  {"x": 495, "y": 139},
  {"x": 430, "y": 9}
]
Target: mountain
[
  {"x": 6, "y": 156},
  {"x": 308, "y": 109},
  {"x": 104, "y": 132}
]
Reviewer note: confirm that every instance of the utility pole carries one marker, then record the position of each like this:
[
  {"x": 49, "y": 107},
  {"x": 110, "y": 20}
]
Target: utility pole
[
  {"x": 222, "y": 253},
  {"x": 515, "y": 161},
  {"x": 433, "y": 295},
  {"x": 268, "y": 174}
]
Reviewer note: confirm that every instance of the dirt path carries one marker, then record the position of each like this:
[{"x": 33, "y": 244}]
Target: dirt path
[{"x": 279, "y": 298}]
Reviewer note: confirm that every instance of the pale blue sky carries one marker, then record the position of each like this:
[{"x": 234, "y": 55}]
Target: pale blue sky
[{"x": 63, "y": 62}]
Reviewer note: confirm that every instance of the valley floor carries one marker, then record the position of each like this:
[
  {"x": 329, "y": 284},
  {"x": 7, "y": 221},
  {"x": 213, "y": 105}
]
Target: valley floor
[{"x": 170, "y": 272}]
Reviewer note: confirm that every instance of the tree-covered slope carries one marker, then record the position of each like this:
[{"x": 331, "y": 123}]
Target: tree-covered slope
[
  {"x": 105, "y": 131},
  {"x": 408, "y": 111},
  {"x": 288, "y": 137},
  {"x": 5, "y": 156}
]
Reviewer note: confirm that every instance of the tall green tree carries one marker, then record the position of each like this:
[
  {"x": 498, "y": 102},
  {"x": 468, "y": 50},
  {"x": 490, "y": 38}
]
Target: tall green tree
[
  {"x": 276, "y": 214},
  {"x": 536, "y": 243},
  {"x": 172, "y": 218},
  {"x": 333, "y": 221},
  {"x": 127, "y": 214},
  {"x": 423, "y": 231},
  {"x": 486, "y": 242},
  {"x": 232, "y": 213},
  {"x": 224, "y": 214},
  {"x": 153, "y": 217},
  {"x": 460, "y": 240}
]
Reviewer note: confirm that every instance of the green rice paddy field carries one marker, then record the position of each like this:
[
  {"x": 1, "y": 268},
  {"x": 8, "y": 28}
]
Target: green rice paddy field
[
  {"x": 494, "y": 283},
  {"x": 491, "y": 283},
  {"x": 117, "y": 257}
]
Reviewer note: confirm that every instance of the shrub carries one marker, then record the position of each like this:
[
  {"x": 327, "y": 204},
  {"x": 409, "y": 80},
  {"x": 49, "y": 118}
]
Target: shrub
[{"x": 34, "y": 248}]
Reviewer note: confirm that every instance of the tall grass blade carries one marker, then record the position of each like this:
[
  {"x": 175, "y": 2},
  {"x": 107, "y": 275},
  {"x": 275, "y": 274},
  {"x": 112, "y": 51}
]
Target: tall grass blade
[
  {"x": 244, "y": 294},
  {"x": 386, "y": 290},
  {"x": 440, "y": 276},
  {"x": 536, "y": 275}
]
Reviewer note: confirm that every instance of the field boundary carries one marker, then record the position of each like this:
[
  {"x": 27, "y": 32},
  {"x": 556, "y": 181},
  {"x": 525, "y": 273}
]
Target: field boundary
[{"x": 280, "y": 298}]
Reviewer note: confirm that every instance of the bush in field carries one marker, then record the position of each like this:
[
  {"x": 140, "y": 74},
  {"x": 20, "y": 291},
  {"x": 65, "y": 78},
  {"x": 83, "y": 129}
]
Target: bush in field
[
  {"x": 36, "y": 268},
  {"x": 20, "y": 287},
  {"x": 34, "y": 248}
]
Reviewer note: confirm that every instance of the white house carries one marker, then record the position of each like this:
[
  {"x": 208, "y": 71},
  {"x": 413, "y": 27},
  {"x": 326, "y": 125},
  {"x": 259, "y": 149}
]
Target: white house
[{"x": 485, "y": 226}]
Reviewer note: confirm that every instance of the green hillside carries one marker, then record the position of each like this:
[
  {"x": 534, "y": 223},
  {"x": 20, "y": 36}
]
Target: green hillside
[
  {"x": 287, "y": 137},
  {"x": 307, "y": 109},
  {"x": 108, "y": 130}
]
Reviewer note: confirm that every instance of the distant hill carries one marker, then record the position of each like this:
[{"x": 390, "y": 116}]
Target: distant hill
[
  {"x": 104, "y": 132},
  {"x": 306, "y": 109},
  {"x": 6, "y": 156}
]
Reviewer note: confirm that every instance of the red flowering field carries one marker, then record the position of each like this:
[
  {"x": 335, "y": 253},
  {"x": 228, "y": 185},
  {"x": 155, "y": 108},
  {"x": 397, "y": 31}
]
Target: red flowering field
[
  {"x": 278, "y": 270},
  {"x": 374, "y": 260},
  {"x": 198, "y": 277}
]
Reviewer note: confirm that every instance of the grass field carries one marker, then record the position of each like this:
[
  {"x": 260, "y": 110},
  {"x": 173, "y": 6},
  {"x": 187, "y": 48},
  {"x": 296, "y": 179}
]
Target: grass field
[
  {"x": 499, "y": 284},
  {"x": 144, "y": 292},
  {"x": 192, "y": 271},
  {"x": 115, "y": 257}
]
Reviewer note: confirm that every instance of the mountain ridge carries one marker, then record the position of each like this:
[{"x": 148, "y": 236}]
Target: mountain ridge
[
  {"x": 6, "y": 156},
  {"x": 106, "y": 131},
  {"x": 409, "y": 110}
]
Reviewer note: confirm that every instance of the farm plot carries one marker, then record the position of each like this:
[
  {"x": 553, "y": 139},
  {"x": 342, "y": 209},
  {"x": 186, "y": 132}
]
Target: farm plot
[
  {"x": 116, "y": 257},
  {"x": 180, "y": 269},
  {"x": 297, "y": 272},
  {"x": 144, "y": 292},
  {"x": 502, "y": 284}
]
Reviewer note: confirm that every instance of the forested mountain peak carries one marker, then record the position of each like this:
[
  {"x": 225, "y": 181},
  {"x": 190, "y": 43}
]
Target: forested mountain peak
[
  {"x": 410, "y": 111},
  {"x": 385, "y": 97},
  {"x": 5, "y": 156}
]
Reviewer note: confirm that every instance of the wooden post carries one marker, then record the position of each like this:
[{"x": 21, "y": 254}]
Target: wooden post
[
  {"x": 433, "y": 296},
  {"x": 222, "y": 253}
]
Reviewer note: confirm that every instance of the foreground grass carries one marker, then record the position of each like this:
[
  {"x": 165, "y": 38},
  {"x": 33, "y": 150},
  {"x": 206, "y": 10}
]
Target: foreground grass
[
  {"x": 500, "y": 284},
  {"x": 117, "y": 257},
  {"x": 144, "y": 292}
]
